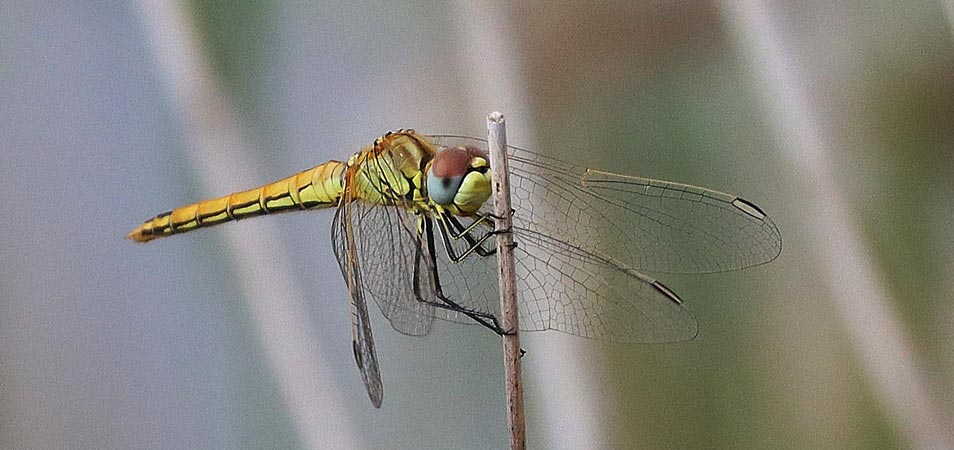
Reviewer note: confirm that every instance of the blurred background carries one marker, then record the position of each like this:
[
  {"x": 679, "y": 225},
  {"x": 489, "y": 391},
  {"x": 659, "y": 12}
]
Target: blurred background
[{"x": 834, "y": 117}]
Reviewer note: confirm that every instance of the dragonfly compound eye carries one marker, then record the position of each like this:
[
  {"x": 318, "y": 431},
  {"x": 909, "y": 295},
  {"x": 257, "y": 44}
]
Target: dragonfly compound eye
[
  {"x": 442, "y": 190},
  {"x": 446, "y": 174}
]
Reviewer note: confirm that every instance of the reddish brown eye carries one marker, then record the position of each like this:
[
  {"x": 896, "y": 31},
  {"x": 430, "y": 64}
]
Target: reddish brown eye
[
  {"x": 476, "y": 152},
  {"x": 448, "y": 169},
  {"x": 450, "y": 162}
]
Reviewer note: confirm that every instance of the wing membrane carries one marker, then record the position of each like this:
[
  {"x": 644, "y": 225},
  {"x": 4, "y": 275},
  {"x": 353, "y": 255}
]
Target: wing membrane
[
  {"x": 565, "y": 288},
  {"x": 647, "y": 224},
  {"x": 387, "y": 241},
  {"x": 584, "y": 237},
  {"x": 361, "y": 337}
]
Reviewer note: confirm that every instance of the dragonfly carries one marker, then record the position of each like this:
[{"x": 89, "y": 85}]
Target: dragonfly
[{"x": 413, "y": 225}]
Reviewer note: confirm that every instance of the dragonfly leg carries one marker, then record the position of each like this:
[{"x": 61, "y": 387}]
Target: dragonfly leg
[
  {"x": 479, "y": 249},
  {"x": 469, "y": 237},
  {"x": 513, "y": 212},
  {"x": 502, "y": 231},
  {"x": 474, "y": 245},
  {"x": 485, "y": 319},
  {"x": 482, "y": 318},
  {"x": 478, "y": 220},
  {"x": 462, "y": 231}
]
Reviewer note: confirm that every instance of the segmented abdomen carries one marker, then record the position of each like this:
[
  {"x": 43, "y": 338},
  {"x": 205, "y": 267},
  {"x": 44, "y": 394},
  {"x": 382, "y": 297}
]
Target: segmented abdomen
[{"x": 319, "y": 187}]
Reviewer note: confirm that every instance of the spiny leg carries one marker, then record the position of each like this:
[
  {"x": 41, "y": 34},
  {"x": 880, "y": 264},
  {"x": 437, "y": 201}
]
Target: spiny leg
[
  {"x": 474, "y": 245},
  {"x": 485, "y": 319},
  {"x": 465, "y": 232},
  {"x": 480, "y": 219}
]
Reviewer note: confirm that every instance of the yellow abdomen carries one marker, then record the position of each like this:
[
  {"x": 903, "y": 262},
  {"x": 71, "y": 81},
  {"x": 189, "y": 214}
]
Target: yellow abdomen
[{"x": 319, "y": 187}]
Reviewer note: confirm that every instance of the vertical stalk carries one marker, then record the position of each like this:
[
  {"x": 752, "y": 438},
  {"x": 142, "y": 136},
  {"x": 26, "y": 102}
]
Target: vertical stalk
[{"x": 497, "y": 137}]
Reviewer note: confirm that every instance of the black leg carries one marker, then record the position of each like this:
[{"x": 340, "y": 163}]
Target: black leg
[
  {"x": 485, "y": 319},
  {"x": 474, "y": 245}
]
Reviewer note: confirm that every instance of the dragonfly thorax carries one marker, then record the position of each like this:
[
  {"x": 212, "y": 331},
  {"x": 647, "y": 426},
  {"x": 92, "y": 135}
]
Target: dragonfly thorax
[{"x": 458, "y": 179}]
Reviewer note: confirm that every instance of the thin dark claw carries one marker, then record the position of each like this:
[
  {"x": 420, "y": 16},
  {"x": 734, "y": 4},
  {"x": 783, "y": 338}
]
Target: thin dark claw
[
  {"x": 513, "y": 212},
  {"x": 522, "y": 352},
  {"x": 512, "y": 332},
  {"x": 506, "y": 230},
  {"x": 501, "y": 231}
]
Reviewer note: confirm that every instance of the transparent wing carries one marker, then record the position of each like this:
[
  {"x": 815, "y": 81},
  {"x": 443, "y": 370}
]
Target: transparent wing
[
  {"x": 559, "y": 287},
  {"x": 578, "y": 292},
  {"x": 650, "y": 225},
  {"x": 565, "y": 288},
  {"x": 398, "y": 270},
  {"x": 582, "y": 235},
  {"x": 361, "y": 338},
  {"x": 395, "y": 272}
]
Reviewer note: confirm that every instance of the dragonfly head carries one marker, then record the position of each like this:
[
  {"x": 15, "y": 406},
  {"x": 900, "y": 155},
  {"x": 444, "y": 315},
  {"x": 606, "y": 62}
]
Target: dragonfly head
[{"x": 459, "y": 179}]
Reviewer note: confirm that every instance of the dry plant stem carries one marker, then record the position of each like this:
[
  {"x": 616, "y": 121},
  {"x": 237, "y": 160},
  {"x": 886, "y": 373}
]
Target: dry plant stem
[{"x": 497, "y": 138}]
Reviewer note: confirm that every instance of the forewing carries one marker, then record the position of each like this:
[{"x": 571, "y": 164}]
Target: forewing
[
  {"x": 642, "y": 223},
  {"x": 581, "y": 234}
]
